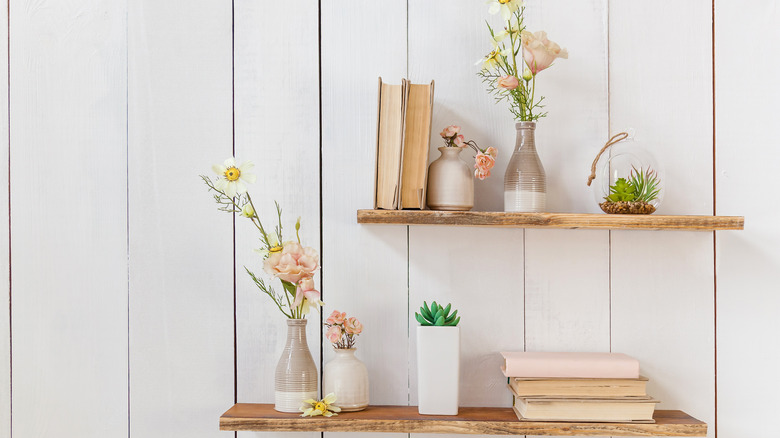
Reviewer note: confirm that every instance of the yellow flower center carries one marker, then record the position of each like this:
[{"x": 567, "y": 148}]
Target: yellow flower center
[
  {"x": 503, "y": 2},
  {"x": 277, "y": 248},
  {"x": 232, "y": 173},
  {"x": 321, "y": 406}
]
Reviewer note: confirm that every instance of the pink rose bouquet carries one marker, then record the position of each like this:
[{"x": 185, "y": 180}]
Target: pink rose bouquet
[
  {"x": 510, "y": 77},
  {"x": 342, "y": 330},
  {"x": 289, "y": 261},
  {"x": 485, "y": 158}
]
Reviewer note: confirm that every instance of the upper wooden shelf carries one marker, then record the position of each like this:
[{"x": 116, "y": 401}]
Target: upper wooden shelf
[
  {"x": 551, "y": 220},
  {"x": 489, "y": 421}
]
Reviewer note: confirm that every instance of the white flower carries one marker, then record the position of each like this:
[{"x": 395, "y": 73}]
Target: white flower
[
  {"x": 273, "y": 241},
  {"x": 233, "y": 178},
  {"x": 495, "y": 58},
  {"x": 247, "y": 210},
  {"x": 513, "y": 30},
  {"x": 506, "y": 7}
]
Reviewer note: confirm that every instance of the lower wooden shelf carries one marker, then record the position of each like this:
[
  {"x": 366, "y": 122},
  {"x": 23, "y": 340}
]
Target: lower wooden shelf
[{"x": 489, "y": 421}]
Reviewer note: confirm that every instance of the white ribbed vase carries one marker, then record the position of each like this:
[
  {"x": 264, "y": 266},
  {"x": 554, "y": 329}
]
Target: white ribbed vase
[
  {"x": 347, "y": 377},
  {"x": 296, "y": 374}
]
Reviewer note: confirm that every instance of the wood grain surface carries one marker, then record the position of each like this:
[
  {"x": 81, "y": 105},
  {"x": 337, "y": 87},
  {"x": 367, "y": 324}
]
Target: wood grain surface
[
  {"x": 488, "y": 421},
  {"x": 550, "y": 220}
]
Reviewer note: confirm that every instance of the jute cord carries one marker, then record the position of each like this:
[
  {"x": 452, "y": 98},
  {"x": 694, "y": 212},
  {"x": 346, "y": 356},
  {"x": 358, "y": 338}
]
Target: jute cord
[{"x": 617, "y": 138}]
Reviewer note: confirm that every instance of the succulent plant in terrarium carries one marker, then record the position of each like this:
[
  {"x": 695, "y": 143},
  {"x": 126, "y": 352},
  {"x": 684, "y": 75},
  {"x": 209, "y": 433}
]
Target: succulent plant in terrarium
[{"x": 634, "y": 194}]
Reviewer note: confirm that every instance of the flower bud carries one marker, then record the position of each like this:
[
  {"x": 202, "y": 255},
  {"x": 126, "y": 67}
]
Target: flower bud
[
  {"x": 298, "y": 224},
  {"x": 527, "y": 74},
  {"x": 247, "y": 210}
]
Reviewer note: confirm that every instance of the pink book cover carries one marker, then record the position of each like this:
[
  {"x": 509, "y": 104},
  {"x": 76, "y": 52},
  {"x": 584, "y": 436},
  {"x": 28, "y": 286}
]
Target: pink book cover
[{"x": 575, "y": 365}]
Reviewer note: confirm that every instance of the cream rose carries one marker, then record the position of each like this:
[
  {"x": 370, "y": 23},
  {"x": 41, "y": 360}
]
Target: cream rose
[
  {"x": 539, "y": 52},
  {"x": 293, "y": 263}
]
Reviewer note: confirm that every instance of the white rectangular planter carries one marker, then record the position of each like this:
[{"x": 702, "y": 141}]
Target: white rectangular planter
[{"x": 438, "y": 370}]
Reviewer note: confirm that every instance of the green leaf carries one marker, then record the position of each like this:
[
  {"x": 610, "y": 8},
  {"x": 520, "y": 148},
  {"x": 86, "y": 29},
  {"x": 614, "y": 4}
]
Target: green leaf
[
  {"x": 452, "y": 317},
  {"x": 447, "y": 310},
  {"x": 456, "y": 322},
  {"x": 420, "y": 319},
  {"x": 425, "y": 309},
  {"x": 439, "y": 321}
]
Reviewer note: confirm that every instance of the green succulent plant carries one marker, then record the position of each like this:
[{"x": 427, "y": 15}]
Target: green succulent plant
[
  {"x": 437, "y": 315},
  {"x": 641, "y": 186}
]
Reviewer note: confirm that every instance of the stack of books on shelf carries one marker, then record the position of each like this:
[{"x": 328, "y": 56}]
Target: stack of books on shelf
[
  {"x": 403, "y": 136},
  {"x": 578, "y": 387}
]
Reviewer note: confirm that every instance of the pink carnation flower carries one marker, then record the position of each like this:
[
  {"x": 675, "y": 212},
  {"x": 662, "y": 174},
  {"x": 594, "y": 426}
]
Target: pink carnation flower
[
  {"x": 333, "y": 334},
  {"x": 352, "y": 326},
  {"x": 336, "y": 318}
]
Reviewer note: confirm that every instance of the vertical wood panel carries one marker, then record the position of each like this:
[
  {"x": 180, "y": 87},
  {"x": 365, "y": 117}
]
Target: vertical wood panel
[
  {"x": 5, "y": 281},
  {"x": 478, "y": 270},
  {"x": 365, "y": 267},
  {"x": 748, "y": 268},
  {"x": 662, "y": 283},
  {"x": 68, "y": 106},
  {"x": 181, "y": 249},
  {"x": 277, "y": 127},
  {"x": 567, "y": 271}
]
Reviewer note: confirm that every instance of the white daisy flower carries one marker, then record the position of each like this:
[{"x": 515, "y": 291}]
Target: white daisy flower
[
  {"x": 233, "y": 178},
  {"x": 506, "y": 7}
]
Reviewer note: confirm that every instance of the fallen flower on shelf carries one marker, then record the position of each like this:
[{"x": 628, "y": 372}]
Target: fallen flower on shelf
[{"x": 324, "y": 407}]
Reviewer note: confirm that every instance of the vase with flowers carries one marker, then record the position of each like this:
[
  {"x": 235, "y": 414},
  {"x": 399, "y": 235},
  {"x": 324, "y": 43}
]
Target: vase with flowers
[
  {"x": 450, "y": 180},
  {"x": 512, "y": 78},
  {"x": 294, "y": 265},
  {"x": 345, "y": 375}
]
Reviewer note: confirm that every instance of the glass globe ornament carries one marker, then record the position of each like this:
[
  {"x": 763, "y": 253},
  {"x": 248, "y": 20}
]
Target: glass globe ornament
[{"x": 628, "y": 179}]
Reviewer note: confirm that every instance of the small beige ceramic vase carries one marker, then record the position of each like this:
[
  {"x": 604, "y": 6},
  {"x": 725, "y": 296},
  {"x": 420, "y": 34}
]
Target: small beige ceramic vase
[
  {"x": 347, "y": 377},
  {"x": 450, "y": 182}
]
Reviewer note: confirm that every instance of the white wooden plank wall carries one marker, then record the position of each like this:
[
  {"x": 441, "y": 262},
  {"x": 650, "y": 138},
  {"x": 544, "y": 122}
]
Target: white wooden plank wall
[
  {"x": 277, "y": 127},
  {"x": 365, "y": 272},
  {"x": 5, "y": 280},
  {"x": 123, "y": 297},
  {"x": 748, "y": 263},
  {"x": 68, "y": 149},
  {"x": 567, "y": 271},
  {"x": 181, "y": 247},
  {"x": 662, "y": 283},
  {"x": 478, "y": 270}
]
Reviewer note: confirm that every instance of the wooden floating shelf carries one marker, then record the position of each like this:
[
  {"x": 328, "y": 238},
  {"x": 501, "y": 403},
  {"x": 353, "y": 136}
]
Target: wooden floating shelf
[
  {"x": 489, "y": 421},
  {"x": 551, "y": 220}
]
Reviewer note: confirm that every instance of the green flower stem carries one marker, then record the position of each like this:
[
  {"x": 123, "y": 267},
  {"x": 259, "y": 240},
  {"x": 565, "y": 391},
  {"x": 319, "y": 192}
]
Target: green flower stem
[{"x": 257, "y": 223}]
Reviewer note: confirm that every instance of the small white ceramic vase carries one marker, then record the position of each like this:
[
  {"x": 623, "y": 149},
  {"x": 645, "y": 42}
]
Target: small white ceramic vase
[
  {"x": 450, "y": 182},
  {"x": 347, "y": 377},
  {"x": 438, "y": 370}
]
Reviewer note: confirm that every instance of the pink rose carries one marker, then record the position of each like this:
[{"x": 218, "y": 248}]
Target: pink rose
[
  {"x": 336, "y": 318},
  {"x": 352, "y": 326},
  {"x": 306, "y": 290},
  {"x": 293, "y": 263},
  {"x": 508, "y": 82},
  {"x": 493, "y": 152},
  {"x": 460, "y": 141},
  {"x": 450, "y": 131},
  {"x": 482, "y": 173},
  {"x": 484, "y": 161},
  {"x": 539, "y": 52},
  {"x": 333, "y": 334}
]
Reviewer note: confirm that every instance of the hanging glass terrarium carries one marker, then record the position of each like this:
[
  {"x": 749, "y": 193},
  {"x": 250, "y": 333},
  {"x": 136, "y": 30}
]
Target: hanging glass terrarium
[{"x": 628, "y": 180}]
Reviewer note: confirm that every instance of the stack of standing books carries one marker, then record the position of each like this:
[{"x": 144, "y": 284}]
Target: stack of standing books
[
  {"x": 403, "y": 136},
  {"x": 582, "y": 387}
]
